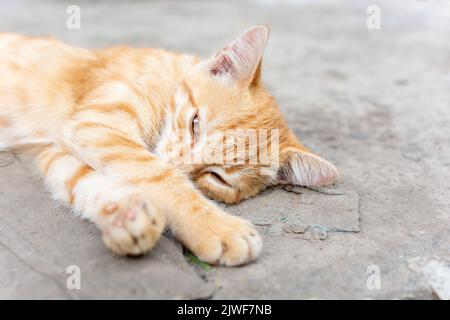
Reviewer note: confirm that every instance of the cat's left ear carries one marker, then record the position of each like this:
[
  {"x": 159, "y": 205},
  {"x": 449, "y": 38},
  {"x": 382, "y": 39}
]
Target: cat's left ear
[
  {"x": 302, "y": 168},
  {"x": 240, "y": 60}
]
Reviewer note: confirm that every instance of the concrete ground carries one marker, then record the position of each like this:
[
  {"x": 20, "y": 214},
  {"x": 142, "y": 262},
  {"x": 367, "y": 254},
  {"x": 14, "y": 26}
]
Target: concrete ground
[{"x": 374, "y": 102}]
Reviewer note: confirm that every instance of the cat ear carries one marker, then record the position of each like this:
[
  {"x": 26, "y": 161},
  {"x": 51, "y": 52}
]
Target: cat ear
[
  {"x": 241, "y": 59},
  {"x": 303, "y": 168}
]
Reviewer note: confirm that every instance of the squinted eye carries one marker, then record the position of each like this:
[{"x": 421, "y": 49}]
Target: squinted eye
[
  {"x": 218, "y": 178},
  {"x": 195, "y": 126}
]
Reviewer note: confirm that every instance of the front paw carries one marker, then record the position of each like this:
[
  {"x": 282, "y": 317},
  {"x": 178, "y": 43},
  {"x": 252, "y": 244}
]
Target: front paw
[
  {"x": 132, "y": 226},
  {"x": 219, "y": 238}
]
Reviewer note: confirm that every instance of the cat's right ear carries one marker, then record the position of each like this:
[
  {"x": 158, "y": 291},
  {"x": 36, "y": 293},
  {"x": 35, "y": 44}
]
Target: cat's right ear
[
  {"x": 303, "y": 168},
  {"x": 240, "y": 60}
]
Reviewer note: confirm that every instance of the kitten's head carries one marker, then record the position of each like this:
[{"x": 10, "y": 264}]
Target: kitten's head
[{"x": 213, "y": 129}]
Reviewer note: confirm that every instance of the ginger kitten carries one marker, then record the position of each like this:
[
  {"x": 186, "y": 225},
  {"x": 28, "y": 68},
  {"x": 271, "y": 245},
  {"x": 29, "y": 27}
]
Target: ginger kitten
[{"x": 110, "y": 131}]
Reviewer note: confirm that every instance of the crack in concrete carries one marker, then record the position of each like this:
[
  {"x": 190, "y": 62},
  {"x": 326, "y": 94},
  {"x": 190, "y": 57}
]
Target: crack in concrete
[{"x": 322, "y": 190}]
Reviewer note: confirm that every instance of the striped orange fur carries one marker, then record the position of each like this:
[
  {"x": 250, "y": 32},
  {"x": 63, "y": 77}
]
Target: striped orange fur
[
  {"x": 117, "y": 126},
  {"x": 72, "y": 182}
]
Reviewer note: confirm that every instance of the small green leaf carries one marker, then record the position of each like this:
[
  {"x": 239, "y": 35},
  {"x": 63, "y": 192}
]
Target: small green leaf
[{"x": 192, "y": 258}]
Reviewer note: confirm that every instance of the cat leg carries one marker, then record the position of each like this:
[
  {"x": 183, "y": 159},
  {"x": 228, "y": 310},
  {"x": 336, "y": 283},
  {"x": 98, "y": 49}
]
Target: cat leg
[
  {"x": 118, "y": 150},
  {"x": 129, "y": 221}
]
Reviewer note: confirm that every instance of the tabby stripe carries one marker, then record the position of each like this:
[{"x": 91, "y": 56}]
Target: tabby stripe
[
  {"x": 153, "y": 179},
  {"x": 234, "y": 169},
  {"x": 108, "y": 108},
  {"x": 118, "y": 157},
  {"x": 4, "y": 122},
  {"x": 92, "y": 124},
  {"x": 53, "y": 158},
  {"x": 143, "y": 130},
  {"x": 117, "y": 140},
  {"x": 172, "y": 103},
  {"x": 72, "y": 182}
]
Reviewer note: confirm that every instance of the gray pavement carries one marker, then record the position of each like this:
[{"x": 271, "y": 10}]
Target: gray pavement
[{"x": 374, "y": 102}]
